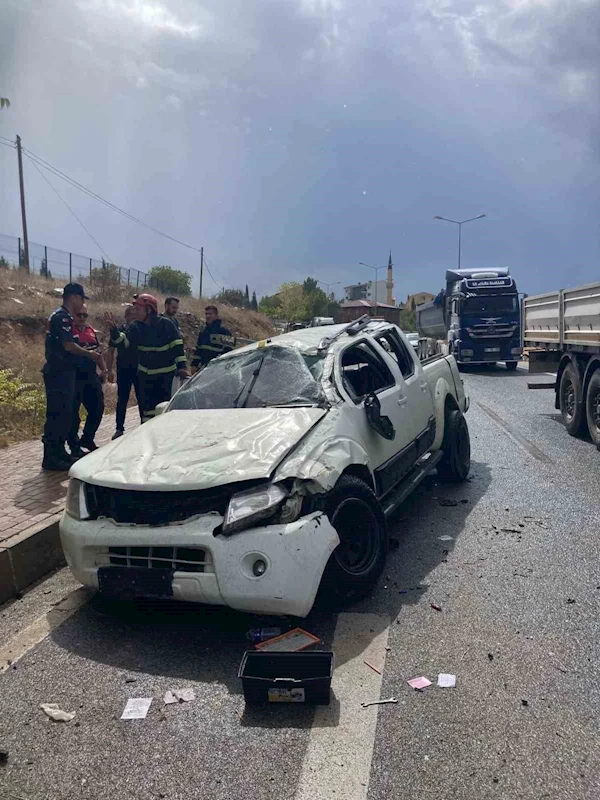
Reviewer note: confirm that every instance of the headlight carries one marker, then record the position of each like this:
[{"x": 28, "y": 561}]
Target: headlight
[
  {"x": 76, "y": 506},
  {"x": 247, "y": 507}
]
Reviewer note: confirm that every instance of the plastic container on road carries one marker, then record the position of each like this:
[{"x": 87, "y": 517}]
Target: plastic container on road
[{"x": 303, "y": 677}]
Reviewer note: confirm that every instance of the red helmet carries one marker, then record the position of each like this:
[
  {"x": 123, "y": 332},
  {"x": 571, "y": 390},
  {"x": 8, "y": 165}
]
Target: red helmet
[{"x": 147, "y": 300}]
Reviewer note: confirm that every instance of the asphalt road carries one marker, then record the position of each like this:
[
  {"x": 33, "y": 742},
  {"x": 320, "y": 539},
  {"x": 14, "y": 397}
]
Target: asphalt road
[{"x": 518, "y": 586}]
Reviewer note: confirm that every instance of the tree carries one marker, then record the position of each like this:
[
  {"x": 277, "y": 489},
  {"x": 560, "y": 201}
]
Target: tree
[
  {"x": 170, "y": 281},
  {"x": 4, "y": 102},
  {"x": 4, "y": 263},
  {"x": 44, "y": 271},
  {"x": 253, "y": 303},
  {"x": 408, "y": 320},
  {"x": 232, "y": 297},
  {"x": 247, "y": 298},
  {"x": 106, "y": 279},
  {"x": 270, "y": 306},
  {"x": 293, "y": 302},
  {"x": 316, "y": 299}
]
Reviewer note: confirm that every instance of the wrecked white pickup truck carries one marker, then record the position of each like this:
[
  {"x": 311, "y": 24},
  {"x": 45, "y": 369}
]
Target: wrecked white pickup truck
[{"x": 270, "y": 474}]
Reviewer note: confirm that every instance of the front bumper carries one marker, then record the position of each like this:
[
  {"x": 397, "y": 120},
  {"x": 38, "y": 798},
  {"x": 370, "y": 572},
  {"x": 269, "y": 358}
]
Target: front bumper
[{"x": 295, "y": 555}]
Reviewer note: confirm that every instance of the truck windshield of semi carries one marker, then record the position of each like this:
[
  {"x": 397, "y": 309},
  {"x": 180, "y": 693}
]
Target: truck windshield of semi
[{"x": 476, "y": 318}]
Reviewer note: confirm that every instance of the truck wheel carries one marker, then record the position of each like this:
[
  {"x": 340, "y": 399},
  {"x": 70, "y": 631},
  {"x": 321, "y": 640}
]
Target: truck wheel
[
  {"x": 357, "y": 562},
  {"x": 592, "y": 407},
  {"x": 571, "y": 407},
  {"x": 456, "y": 446},
  {"x": 511, "y": 365}
]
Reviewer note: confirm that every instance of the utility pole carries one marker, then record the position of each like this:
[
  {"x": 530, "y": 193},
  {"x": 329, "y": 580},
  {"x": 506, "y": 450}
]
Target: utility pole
[
  {"x": 201, "y": 269},
  {"x": 23, "y": 215}
]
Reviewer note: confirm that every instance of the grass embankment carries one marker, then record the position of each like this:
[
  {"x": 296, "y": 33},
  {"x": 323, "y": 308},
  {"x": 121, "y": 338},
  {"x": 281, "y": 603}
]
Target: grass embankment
[{"x": 26, "y": 301}]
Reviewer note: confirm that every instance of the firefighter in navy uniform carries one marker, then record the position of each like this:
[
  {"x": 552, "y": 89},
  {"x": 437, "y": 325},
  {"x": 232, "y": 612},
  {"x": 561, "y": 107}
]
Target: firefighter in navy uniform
[
  {"x": 59, "y": 371},
  {"x": 159, "y": 348},
  {"x": 213, "y": 341}
]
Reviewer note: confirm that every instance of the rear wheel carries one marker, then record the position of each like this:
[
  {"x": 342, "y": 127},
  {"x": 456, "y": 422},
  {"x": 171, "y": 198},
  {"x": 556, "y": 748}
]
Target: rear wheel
[
  {"x": 511, "y": 365},
  {"x": 357, "y": 562},
  {"x": 456, "y": 462},
  {"x": 592, "y": 407},
  {"x": 570, "y": 396}
]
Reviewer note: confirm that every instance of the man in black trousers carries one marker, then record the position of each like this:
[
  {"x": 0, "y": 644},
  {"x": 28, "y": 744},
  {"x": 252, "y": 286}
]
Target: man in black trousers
[{"x": 126, "y": 373}]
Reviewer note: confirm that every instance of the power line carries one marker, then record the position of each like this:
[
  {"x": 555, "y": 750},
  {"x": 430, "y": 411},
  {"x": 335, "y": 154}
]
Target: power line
[
  {"x": 12, "y": 146},
  {"x": 45, "y": 165},
  {"x": 10, "y": 142},
  {"x": 210, "y": 273},
  {"x": 70, "y": 209}
]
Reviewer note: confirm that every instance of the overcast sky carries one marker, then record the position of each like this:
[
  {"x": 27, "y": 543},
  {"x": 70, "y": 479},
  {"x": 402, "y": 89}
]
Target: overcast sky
[{"x": 299, "y": 137}]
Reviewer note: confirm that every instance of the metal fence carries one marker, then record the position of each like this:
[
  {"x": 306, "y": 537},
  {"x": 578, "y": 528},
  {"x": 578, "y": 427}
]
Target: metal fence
[{"x": 52, "y": 263}]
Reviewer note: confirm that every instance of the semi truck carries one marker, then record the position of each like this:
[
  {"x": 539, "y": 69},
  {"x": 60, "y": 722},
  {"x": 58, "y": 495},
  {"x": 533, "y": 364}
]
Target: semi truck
[
  {"x": 561, "y": 331},
  {"x": 476, "y": 318}
]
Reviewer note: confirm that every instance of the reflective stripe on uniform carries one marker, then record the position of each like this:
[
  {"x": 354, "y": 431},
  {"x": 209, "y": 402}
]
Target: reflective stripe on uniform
[
  {"x": 162, "y": 349},
  {"x": 211, "y": 348},
  {"x": 160, "y": 371}
]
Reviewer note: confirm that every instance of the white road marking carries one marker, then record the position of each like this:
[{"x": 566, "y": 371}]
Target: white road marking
[
  {"x": 338, "y": 758},
  {"x": 26, "y": 639}
]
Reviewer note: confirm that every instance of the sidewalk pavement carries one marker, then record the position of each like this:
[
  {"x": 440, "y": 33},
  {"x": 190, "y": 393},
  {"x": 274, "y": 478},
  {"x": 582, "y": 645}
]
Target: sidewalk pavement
[{"x": 31, "y": 502}]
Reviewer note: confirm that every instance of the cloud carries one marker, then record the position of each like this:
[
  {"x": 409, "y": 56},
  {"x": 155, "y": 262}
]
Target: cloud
[
  {"x": 174, "y": 101},
  {"x": 152, "y": 17}
]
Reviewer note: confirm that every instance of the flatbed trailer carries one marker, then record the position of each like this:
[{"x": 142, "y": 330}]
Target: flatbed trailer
[{"x": 561, "y": 331}]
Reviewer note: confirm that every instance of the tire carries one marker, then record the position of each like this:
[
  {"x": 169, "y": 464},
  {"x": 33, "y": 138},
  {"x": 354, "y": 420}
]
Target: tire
[
  {"x": 511, "y": 365},
  {"x": 358, "y": 561},
  {"x": 592, "y": 407},
  {"x": 456, "y": 445},
  {"x": 570, "y": 397}
]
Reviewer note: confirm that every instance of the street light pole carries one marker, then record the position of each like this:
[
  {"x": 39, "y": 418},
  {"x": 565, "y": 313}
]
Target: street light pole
[
  {"x": 362, "y": 264},
  {"x": 327, "y": 285},
  {"x": 460, "y": 224}
]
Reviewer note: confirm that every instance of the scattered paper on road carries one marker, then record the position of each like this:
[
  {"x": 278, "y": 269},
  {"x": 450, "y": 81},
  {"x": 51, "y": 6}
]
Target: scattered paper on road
[
  {"x": 446, "y": 680},
  {"x": 179, "y": 696},
  {"x": 446, "y": 538},
  {"x": 56, "y": 713},
  {"x": 419, "y": 683},
  {"x": 137, "y": 708}
]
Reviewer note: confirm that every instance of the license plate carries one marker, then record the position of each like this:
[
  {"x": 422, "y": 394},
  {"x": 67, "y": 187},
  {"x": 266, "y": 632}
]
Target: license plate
[
  {"x": 491, "y": 350},
  {"x": 129, "y": 582}
]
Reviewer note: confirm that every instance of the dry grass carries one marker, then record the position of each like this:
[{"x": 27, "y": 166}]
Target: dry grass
[{"x": 22, "y": 332}]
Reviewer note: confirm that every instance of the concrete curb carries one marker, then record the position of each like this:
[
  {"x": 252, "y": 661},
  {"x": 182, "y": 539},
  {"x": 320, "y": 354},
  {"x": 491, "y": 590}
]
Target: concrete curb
[{"x": 29, "y": 555}]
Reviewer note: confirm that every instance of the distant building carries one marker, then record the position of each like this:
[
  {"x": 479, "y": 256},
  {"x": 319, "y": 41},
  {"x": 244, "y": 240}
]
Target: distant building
[
  {"x": 353, "y": 309},
  {"x": 370, "y": 290},
  {"x": 414, "y": 300}
]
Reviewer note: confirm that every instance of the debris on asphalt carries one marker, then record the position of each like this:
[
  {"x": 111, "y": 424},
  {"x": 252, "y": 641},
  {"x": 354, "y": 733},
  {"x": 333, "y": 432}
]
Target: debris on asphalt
[
  {"x": 446, "y": 538},
  {"x": 524, "y": 703},
  {"x": 262, "y": 634},
  {"x": 130, "y": 680},
  {"x": 56, "y": 713},
  {"x": 510, "y": 530},
  {"x": 491, "y": 656},
  {"x": 3, "y": 756},
  {"x": 372, "y": 667},
  {"x": 179, "y": 696},
  {"x": 379, "y": 702},
  {"x": 571, "y": 600},
  {"x": 290, "y": 642},
  {"x": 464, "y": 501},
  {"x": 435, "y": 608},
  {"x": 136, "y": 708},
  {"x": 445, "y": 501},
  {"x": 446, "y": 680},
  {"x": 419, "y": 683}
]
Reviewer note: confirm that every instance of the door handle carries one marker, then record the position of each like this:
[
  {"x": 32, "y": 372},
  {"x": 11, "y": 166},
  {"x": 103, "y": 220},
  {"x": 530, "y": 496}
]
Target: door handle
[
  {"x": 424, "y": 386},
  {"x": 403, "y": 400}
]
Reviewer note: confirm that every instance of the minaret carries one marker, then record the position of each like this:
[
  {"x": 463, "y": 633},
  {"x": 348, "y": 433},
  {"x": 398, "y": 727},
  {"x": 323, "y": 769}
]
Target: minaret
[{"x": 390, "y": 282}]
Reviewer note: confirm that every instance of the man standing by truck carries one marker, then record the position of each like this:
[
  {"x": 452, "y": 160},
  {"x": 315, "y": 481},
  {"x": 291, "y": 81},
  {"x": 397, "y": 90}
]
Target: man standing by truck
[
  {"x": 160, "y": 352},
  {"x": 213, "y": 341}
]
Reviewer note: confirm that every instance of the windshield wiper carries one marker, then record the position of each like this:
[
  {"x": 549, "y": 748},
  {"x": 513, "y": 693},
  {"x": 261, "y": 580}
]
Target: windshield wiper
[{"x": 251, "y": 383}]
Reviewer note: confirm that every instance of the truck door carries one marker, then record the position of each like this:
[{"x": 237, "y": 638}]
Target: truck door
[
  {"x": 419, "y": 403},
  {"x": 360, "y": 371}
]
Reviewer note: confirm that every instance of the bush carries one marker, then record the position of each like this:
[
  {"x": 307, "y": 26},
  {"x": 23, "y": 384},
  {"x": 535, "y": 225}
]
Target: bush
[
  {"x": 22, "y": 407},
  {"x": 170, "y": 281}
]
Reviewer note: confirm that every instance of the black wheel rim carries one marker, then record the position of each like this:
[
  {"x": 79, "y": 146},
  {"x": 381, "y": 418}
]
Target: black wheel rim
[
  {"x": 595, "y": 409},
  {"x": 568, "y": 398},
  {"x": 358, "y": 529}
]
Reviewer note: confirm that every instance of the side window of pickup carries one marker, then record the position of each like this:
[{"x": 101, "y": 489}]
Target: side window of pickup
[
  {"x": 393, "y": 344},
  {"x": 364, "y": 371}
]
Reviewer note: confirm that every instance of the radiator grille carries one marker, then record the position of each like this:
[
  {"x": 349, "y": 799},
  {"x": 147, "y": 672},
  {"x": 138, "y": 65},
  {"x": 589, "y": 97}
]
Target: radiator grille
[{"x": 180, "y": 559}]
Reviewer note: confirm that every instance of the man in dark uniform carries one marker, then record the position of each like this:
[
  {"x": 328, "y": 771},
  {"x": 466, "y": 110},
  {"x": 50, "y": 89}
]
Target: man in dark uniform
[
  {"x": 213, "y": 341},
  {"x": 59, "y": 377},
  {"x": 171, "y": 309},
  {"x": 160, "y": 352},
  {"x": 126, "y": 373},
  {"x": 88, "y": 388}
]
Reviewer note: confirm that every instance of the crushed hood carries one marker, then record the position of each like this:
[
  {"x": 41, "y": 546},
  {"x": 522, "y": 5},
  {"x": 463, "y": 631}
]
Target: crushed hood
[{"x": 198, "y": 449}]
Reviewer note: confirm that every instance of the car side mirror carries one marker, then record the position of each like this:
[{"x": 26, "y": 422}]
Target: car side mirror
[
  {"x": 161, "y": 408},
  {"x": 382, "y": 425}
]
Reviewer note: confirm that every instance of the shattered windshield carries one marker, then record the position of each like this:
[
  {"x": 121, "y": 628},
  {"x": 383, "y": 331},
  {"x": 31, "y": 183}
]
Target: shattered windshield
[{"x": 265, "y": 377}]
